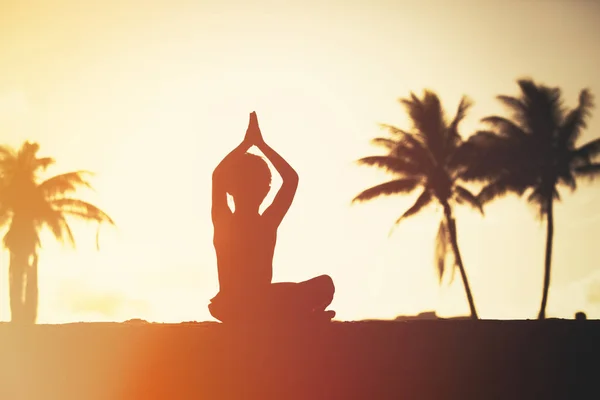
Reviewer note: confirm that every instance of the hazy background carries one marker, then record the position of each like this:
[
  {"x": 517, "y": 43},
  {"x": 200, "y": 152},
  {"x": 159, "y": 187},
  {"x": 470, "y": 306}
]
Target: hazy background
[{"x": 152, "y": 94}]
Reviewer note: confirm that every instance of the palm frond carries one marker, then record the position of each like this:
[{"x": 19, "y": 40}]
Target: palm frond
[
  {"x": 8, "y": 163},
  {"x": 427, "y": 117},
  {"x": 67, "y": 230},
  {"x": 500, "y": 187},
  {"x": 485, "y": 140},
  {"x": 395, "y": 131},
  {"x": 576, "y": 120},
  {"x": 61, "y": 230},
  {"x": 416, "y": 109},
  {"x": 388, "y": 144},
  {"x": 412, "y": 146},
  {"x": 461, "y": 113},
  {"x": 485, "y": 156},
  {"x": 98, "y": 237},
  {"x": 84, "y": 216},
  {"x": 529, "y": 90},
  {"x": 64, "y": 184},
  {"x": 504, "y": 127},
  {"x": 469, "y": 153},
  {"x": 27, "y": 156},
  {"x": 515, "y": 105},
  {"x": 405, "y": 185},
  {"x": 441, "y": 249},
  {"x": 404, "y": 166},
  {"x": 464, "y": 196},
  {"x": 591, "y": 171},
  {"x": 544, "y": 113},
  {"x": 587, "y": 152},
  {"x": 80, "y": 208},
  {"x": 422, "y": 201},
  {"x": 43, "y": 163},
  {"x": 453, "y": 139},
  {"x": 517, "y": 110},
  {"x": 566, "y": 177},
  {"x": 7, "y": 152},
  {"x": 28, "y": 150}
]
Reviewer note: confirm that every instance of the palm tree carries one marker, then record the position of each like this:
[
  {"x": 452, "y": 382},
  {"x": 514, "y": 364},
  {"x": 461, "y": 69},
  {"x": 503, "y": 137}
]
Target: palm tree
[
  {"x": 425, "y": 158},
  {"x": 534, "y": 151},
  {"x": 27, "y": 206}
]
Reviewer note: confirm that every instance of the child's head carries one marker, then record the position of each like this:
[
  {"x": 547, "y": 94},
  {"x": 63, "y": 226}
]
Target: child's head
[{"x": 249, "y": 180}]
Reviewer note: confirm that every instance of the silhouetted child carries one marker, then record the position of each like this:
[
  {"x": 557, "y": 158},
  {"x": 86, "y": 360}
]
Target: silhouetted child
[{"x": 244, "y": 240}]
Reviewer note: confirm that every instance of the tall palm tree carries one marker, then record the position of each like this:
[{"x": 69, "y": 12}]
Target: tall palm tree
[
  {"x": 534, "y": 150},
  {"x": 27, "y": 206},
  {"x": 426, "y": 158}
]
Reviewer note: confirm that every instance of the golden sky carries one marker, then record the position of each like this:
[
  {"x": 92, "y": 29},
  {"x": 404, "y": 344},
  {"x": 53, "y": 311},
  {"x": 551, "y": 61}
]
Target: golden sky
[{"x": 152, "y": 94}]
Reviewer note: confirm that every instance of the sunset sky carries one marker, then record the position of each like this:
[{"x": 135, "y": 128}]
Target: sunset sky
[{"x": 151, "y": 95}]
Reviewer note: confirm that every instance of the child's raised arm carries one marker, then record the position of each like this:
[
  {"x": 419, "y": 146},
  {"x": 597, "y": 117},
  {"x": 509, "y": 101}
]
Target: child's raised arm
[
  {"x": 220, "y": 208},
  {"x": 283, "y": 200}
]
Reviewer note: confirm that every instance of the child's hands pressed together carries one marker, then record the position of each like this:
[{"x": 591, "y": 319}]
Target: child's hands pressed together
[{"x": 253, "y": 133}]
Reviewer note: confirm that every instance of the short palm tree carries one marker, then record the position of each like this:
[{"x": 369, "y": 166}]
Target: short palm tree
[
  {"x": 425, "y": 158},
  {"x": 534, "y": 150},
  {"x": 26, "y": 206}
]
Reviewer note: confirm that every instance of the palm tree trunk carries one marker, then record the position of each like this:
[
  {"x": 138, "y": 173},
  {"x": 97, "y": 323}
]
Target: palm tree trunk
[
  {"x": 31, "y": 291},
  {"x": 548, "y": 260},
  {"x": 454, "y": 241},
  {"x": 16, "y": 286}
]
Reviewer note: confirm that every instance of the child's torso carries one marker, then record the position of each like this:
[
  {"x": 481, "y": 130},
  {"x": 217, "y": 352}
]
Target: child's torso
[{"x": 244, "y": 247}]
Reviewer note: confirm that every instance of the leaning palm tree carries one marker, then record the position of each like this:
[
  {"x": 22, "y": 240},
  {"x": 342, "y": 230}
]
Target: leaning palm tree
[
  {"x": 534, "y": 150},
  {"x": 27, "y": 206},
  {"x": 425, "y": 158}
]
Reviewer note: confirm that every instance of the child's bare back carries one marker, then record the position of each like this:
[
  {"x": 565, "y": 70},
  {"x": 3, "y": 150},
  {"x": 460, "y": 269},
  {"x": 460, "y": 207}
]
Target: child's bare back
[{"x": 248, "y": 268}]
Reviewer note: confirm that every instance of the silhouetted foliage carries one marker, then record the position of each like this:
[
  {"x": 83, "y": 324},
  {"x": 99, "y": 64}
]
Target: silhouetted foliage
[
  {"x": 426, "y": 158},
  {"x": 533, "y": 151},
  {"x": 27, "y": 206}
]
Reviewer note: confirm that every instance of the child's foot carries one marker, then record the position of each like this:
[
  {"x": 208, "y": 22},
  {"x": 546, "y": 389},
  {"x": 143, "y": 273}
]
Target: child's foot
[{"x": 323, "y": 316}]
